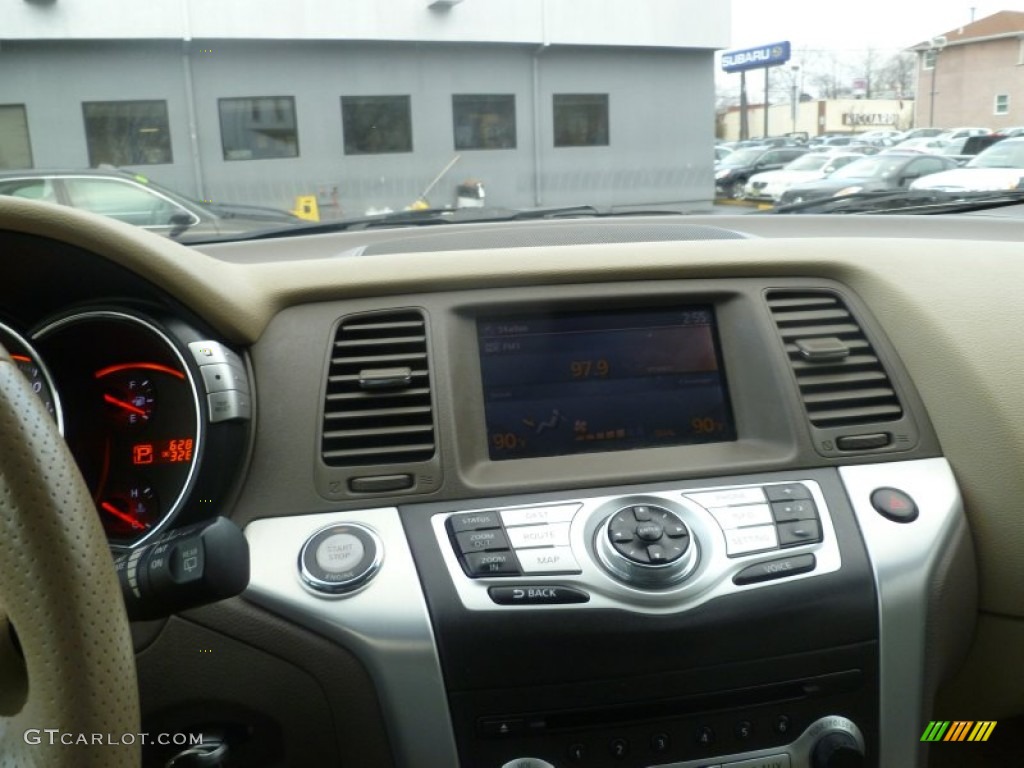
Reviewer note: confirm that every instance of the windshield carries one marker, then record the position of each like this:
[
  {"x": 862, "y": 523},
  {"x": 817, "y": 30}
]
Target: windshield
[
  {"x": 265, "y": 115},
  {"x": 1005, "y": 154}
]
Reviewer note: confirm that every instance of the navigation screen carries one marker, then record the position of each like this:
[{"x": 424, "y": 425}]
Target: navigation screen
[{"x": 581, "y": 382}]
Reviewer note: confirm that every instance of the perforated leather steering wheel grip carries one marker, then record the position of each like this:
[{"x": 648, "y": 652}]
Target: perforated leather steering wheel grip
[{"x": 73, "y": 701}]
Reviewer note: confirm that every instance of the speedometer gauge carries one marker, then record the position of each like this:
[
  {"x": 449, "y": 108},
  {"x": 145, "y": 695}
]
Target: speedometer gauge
[{"x": 34, "y": 370}]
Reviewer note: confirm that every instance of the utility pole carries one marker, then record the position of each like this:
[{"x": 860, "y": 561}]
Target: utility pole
[{"x": 936, "y": 44}]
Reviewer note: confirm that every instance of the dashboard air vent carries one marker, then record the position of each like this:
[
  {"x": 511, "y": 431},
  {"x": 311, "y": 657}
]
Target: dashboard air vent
[
  {"x": 842, "y": 381},
  {"x": 378, "y": 405}
]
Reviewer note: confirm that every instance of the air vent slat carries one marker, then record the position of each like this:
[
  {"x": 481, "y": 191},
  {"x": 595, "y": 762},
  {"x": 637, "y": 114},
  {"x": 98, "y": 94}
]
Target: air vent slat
[
  {"x": 375, "y": 360},
  {"x": 853, "y": 391},
  {"x": 381, "y": 394},
  {"x": 381, "y": 342},
  {"x": 387, "y": 425}
]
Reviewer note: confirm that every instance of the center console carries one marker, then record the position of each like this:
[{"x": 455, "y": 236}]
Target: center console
[{"x": 697, "y": 524}]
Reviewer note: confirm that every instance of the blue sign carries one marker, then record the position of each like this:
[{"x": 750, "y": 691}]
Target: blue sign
[{"x": 755, "y": 58}]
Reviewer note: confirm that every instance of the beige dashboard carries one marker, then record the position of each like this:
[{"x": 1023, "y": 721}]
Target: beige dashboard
[{"x": 945, "y": 291}]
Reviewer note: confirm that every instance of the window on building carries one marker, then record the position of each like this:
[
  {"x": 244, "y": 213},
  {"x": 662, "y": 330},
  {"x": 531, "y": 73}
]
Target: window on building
[
  {"x": 127, "y": 132},
  {"x": 929, "y": 59},
  {"x": 581, "y": 119},
  {"x": 15, "y": 150},
  {"x": 484, "y": 122},
  {"x": 258, "y": 128},
  {"x": 375, "y": 125},
  {"x": 121, "y": 200},
  {"x": 1002, "y": 105}
]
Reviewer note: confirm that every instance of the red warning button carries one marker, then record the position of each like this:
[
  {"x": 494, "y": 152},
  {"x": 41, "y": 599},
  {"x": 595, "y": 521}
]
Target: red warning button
[{"x": 894, "y": 504}]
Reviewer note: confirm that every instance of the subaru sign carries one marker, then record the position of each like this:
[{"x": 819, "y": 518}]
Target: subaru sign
[{"x": 755, "y": 58}]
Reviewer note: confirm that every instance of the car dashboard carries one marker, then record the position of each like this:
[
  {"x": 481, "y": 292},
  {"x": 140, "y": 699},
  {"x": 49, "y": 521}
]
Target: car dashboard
[{"x": 660, "y": 491}]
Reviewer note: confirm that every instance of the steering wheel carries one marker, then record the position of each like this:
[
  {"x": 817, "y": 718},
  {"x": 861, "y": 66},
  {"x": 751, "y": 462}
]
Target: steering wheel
[{"x": 68, "y": 690}]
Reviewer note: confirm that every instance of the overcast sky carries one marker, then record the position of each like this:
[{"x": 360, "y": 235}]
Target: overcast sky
[{"x": 853, "y": 24}]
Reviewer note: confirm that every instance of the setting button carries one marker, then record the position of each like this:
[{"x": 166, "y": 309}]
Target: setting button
[
  {"x": 799, "y": 532},
  {"x": 740, "y": 541},
  {"x": 775, "y": 569},
  {"x": 480, "y": 541}
]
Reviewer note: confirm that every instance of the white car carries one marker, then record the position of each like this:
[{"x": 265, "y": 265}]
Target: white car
[
  {"x": 922, "y": 144},
  {"x": 1001, "y": 166},
  {"x": 770, "y": 185}
]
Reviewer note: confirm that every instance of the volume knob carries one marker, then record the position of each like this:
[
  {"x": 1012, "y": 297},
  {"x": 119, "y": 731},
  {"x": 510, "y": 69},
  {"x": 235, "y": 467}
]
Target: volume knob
[{"x": 837, "y": 749}]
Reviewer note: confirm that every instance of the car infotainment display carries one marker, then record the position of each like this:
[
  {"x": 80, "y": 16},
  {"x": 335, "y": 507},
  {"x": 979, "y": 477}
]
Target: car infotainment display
[{"x": 580, "y": 382}]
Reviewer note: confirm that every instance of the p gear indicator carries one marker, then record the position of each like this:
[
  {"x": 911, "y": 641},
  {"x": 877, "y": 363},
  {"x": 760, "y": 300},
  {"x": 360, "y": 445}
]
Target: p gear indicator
[{"x": 174, "y": 451}]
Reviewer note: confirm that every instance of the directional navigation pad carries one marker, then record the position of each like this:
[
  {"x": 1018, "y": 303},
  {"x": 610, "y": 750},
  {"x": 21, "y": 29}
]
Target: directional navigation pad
[{"x": 649, "y": 535}]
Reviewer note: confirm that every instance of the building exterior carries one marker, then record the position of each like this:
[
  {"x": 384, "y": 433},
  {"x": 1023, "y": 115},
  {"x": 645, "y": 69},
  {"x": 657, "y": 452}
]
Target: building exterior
[
  {"x": 821, "y": 116},
  {"x": 363, "y": 103},
  {"x": 971, "y": 76}
]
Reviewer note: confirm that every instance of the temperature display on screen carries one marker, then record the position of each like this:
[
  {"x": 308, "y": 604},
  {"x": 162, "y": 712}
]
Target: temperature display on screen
[{"x": 582, "y": 382}]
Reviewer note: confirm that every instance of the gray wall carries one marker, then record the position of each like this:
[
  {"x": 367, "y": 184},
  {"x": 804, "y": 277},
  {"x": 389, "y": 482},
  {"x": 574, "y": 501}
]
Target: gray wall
[{"x": 661, "y": 117}]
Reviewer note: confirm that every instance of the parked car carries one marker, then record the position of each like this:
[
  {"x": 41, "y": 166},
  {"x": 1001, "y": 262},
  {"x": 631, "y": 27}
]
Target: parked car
[
  {"x": 929, "y": 144},
  {"x": 135, "y": 199},
  {"x": 917, "y": 133},
  {"x": 721, "y": 153},
  {"x": 770, "y": 185},
  {"x": 885, "y": 171},
  {"x": 1001, "y": 166},
  {"x": 883, "y": 138},
  {"x": 957, "y": 133},
  {"x": 734, "y": 171}
]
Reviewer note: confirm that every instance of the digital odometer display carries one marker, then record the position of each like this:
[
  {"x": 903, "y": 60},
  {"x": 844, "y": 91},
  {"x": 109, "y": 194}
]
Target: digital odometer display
[{"x": 581, "y": 382}]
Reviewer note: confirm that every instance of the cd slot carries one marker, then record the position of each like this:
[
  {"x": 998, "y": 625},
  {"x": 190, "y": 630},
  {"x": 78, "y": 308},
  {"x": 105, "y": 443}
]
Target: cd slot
[{"x": 683, "y": 706}]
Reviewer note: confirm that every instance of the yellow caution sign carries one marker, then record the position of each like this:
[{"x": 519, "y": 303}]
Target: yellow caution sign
[{"x": 306, "y": 208}]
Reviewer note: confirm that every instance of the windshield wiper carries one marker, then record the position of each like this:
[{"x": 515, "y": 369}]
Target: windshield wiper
[
  {"x": 434, "y": 216},
  {"x": 913, "y": 201}
]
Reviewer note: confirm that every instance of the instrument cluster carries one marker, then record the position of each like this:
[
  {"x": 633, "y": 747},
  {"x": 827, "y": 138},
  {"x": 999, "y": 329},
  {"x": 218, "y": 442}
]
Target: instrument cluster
[{"x": 129, "y": 407}]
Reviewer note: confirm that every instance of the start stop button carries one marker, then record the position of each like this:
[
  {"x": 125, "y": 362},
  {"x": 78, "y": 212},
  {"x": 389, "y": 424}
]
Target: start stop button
[{"x": 340, "y": 558}]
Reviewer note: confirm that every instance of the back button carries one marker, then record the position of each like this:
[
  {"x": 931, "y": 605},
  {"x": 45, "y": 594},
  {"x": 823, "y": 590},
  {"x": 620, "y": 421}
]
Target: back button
[{"x": 537, "y": 594}]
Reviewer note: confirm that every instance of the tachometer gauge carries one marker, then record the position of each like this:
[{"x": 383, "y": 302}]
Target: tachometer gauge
[{"x": 34, "y": 370}]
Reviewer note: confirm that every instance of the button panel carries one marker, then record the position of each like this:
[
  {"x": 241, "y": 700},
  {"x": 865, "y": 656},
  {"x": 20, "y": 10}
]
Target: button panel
[
  {"x": 516, "y": 541},
  {"x": 644, "y": 552},
  {"x": 788, "y": 519}
]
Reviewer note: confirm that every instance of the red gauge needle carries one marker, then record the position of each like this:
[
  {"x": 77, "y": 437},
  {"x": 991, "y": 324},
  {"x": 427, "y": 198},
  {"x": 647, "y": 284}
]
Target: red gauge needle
[
  {"x": 127, "y": 406},
  {"x": 107, "y": 506}
]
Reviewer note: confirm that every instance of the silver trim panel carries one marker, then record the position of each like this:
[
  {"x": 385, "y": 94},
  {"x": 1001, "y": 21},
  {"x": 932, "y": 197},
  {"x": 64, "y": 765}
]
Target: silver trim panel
[
  {"x": 904, "y": 557},
  {"x": 711, "y": 577},
  {"x": 386, "y": 624}
]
